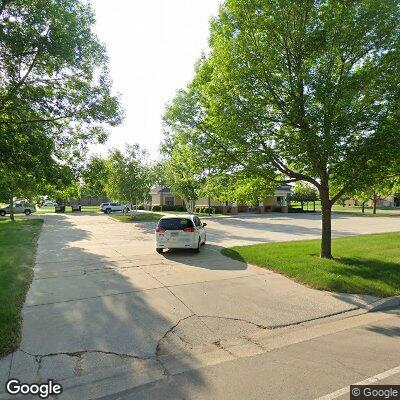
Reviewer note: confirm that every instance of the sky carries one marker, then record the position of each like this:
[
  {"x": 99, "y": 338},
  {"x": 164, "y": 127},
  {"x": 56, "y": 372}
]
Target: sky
[{"x": 153, "y": 46}]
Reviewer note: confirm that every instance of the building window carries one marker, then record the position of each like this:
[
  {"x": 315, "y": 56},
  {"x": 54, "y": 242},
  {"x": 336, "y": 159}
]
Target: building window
[{"x": 169, "y": 201}]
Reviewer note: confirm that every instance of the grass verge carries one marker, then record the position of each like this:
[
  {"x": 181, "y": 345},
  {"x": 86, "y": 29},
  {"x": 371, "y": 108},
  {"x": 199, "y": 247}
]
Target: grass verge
[
  {"x": 356, "y": 210},
  {"x": 140, "y": 217},
  {"x": 18, "y": 243},
  {"x": 368, "y": 264}
]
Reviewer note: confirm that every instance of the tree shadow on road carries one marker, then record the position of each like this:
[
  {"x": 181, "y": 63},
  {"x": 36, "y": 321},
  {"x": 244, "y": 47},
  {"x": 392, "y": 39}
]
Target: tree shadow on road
[{"x": 391, "y": 331}]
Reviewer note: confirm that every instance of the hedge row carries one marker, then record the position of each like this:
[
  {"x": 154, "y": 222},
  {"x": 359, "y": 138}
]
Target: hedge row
[
  {"x": 168, "y": 208},
  {"x": 205, "y": 210}
]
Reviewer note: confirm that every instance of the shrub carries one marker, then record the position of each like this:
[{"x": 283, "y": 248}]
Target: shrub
[
  {"x": 156, "y": 208},
  {"x": 204, "y": 210}
]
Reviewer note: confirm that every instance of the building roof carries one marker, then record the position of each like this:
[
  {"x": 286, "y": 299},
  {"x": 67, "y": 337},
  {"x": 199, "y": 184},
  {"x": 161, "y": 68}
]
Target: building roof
[
  {"x": 160, "y": 189},
  {"x": 285, "y": 186}
]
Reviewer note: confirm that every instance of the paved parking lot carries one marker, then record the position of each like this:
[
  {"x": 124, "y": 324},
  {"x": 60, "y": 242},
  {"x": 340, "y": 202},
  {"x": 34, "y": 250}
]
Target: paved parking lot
[
  {"x": 103, "y": 298},
  {"x": 250, "y": 229}
]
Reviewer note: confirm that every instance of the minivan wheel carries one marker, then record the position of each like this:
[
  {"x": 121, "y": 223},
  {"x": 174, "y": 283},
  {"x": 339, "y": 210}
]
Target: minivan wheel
[
  {"x": 108, "y": 211},
  {"x": 27, "y": 212},
  {"x": 159, "y": 250},
  {"x": 2, "y": 213},
  {"x": 197, "y": 250}
]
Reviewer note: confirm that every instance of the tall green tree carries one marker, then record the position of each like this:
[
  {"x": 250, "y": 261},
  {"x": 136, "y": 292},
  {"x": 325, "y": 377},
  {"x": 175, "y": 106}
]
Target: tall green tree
[
  {"x": 54, "y": 86},
  {"x": 94, "y": 176},
  {"x": 129, "y": 177},
  {"x": 304, "y": 193},
  {"x": 27, "y": 163},
  {"x": 386, "y": 187},
  {"x": 183, "y": 174},
  {"x": 302, "y": 91}
]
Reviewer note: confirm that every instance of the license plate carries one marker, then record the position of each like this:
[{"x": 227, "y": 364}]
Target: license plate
[{"x": 174, "y": 234}]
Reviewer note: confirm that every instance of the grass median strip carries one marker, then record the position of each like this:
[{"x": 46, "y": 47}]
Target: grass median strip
[
  {"x": 18, "y": 243},
  {"x": 140, "y": 217},
  {"x": 368, "y": 264}
]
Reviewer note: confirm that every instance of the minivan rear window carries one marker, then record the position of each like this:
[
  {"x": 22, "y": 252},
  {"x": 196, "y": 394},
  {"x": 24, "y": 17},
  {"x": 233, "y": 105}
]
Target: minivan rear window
[{"x": 175, "y": 224}]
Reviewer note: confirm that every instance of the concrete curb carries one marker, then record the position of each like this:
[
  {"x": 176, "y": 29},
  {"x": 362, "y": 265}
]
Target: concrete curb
[{"x": 384, "y": 304}]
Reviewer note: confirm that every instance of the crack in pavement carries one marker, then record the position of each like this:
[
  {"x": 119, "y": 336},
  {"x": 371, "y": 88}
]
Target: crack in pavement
[
  {"x": 38, "y": 360},
  {"x": 217, "y": 343},
  {"x": 173, "y": 294},
  {"x": 272, "y": 327},
  {"x": 221, "y": 346},
  {"x": 78, "y": 370},
  {"x": 89, "y": 271},
  {"x": 235, "y": 319},
  {"x": 252, "y": 341},
  {"x": 83, "y": 352},
  {"x": 158, "y": 347}
]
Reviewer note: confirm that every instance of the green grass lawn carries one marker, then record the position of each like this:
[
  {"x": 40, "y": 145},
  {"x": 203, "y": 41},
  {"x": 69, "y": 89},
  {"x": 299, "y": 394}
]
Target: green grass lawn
[
  {"x": 380, "y": 212},
  {"x": 368, "y": 212},
  {"x": 18, "y": 242},
  {"x": 140, "y": 217},
  {"x": 363, "y": 264}
]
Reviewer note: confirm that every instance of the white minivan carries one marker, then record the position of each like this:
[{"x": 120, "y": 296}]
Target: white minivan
[{"x": 180, "y": 232}]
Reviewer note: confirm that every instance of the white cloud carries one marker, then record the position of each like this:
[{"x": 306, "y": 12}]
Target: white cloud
[{"x": 153, "y": 46}]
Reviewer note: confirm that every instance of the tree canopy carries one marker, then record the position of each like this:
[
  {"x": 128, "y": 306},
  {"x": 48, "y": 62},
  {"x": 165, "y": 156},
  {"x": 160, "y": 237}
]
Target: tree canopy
[
  {"x": 55, "y": 92},
  {"x": 129, "y": 175},
  {"x": 299, "y": 91},
  {"x": 94, "y": 176}
]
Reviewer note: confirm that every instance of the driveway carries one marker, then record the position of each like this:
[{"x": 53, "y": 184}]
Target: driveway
[{"x": 105, "y": 307}]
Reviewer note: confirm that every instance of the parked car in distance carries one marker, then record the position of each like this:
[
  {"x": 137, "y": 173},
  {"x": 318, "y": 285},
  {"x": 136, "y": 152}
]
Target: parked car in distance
[
  {"x": 108, "y": 208},
  {"x": 18, "y": 208},
  {"x": 180, "y": 232},
  {"x": 50, "y": 204}
]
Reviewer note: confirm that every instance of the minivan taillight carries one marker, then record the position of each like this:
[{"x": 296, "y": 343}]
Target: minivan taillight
[
  {"x": 191, "y": 229},
  {"x": 160, "y": 230}
]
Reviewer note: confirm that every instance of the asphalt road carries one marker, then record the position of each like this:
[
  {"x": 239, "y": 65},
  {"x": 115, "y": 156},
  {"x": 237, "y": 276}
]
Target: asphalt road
[{"x": 319, "y": 368}]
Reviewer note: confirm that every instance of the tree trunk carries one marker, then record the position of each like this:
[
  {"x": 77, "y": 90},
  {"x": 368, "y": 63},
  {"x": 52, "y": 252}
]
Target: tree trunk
[
  {"x": 190, "y": 206},
  {"x": 314, "y": 205},
  {"x": 375, "y": 201},
  {"x": 326, "y": 240},
  {"x": 12, "y": 217},
  {"x": 363, "y": 207},
  {"x": 209, "y": 206}
]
